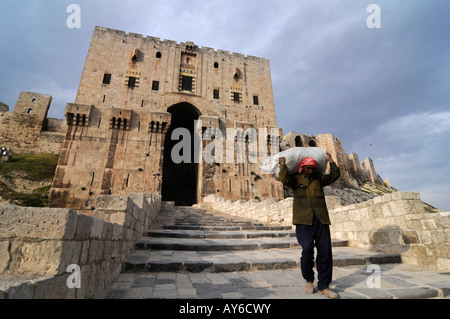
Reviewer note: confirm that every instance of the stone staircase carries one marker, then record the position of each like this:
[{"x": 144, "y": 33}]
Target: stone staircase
[
  {"x": 187, "y": 239},
  {"x": 190, "y": 253}
]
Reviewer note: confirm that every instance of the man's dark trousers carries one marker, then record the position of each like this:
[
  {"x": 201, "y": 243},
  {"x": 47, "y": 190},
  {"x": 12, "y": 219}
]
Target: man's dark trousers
[{"x": 317, "y": 235}]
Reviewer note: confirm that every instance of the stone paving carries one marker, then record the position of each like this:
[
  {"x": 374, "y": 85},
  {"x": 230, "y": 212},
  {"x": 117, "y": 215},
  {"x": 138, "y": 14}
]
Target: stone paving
[{"x": 193, "y": 255}]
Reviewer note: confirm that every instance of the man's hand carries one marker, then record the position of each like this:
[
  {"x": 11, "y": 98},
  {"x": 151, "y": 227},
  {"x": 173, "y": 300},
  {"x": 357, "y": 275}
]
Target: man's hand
[
  {"x": 330, "y": 159},
  {"x": 282, "y": 160}
]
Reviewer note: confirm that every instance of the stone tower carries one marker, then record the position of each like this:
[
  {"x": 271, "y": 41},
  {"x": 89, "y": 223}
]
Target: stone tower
[
  {"x": 142, "y": 104},
  {"x": 21, "y": 129}
]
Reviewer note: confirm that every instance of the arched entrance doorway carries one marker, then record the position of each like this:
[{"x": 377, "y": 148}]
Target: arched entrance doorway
[{"x": 180, "y": 179}]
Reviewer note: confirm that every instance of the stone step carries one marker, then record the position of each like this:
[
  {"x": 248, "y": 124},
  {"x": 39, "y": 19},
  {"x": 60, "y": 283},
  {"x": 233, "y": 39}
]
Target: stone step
[
  {"x": 230, "y": 261},
  {"x": 183, "y": 255},
  {"x": 173, "y": 233},
  {"x": 193, "y": 244},
  {"x": 214, "y": 223},
  {"x": 218, "y": 227}
]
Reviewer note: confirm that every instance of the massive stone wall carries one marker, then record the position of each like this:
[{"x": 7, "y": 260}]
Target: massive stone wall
[
  {"x": 134, "y": 91},
  {"x": 28, "y": 130},
  {"x": 397, "y": 223},
  {"x": 392, "y": 223},
  {"x": 38, "y": 244}
]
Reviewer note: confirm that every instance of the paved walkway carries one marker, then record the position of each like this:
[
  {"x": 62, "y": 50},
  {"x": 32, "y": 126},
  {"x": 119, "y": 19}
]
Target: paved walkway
[
  {"x": 397, "y": 281},
  {"x": 193, "y": 255}
]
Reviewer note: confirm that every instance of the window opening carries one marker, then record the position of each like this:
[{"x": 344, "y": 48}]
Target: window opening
[
  {"x": 186, "y": 83},
  {"x": 107, "y": 78},
  {"x": 92, "y": 180},
  {"x": 131, "y": 82}
]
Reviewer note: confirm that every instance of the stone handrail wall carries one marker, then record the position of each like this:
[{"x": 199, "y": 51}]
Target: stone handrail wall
[
  {"x": 38, "y": 244},
  {"x": 269, "y": 211},
  {"x": 396, "y": 223},
  {"x": 393, "y": 223}
]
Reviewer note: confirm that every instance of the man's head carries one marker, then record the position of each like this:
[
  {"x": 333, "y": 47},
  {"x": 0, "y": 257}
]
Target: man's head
[{"x": 308, "y": 167}]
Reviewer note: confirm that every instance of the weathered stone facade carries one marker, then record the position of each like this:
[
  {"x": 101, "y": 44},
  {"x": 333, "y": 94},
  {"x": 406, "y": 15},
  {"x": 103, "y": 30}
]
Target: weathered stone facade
[
  {"x": 28, "y": 130},
  {"x": 134, "y": 92}
]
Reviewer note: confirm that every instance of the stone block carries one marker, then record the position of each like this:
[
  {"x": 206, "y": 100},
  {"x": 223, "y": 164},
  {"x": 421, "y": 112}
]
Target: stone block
[
  {"x": 70, "y": 254},
  {"x": 428, "y": 224},
  {"x": 35, "y": 258},
  {"x": 84, "y": 227},
  {"x": 443, "y": 264},
  {"x": 96, "y": 251},
  {"x": 111, "y": 202},
  {"x": 5, "y": 256},
  {"x": 437, "y": 236},
  {"x": 380, "y": 238},
  {"x": 42, "y": 223},
  {"x": 97, "y": 228},
  {"x": 84, "y": 254},
  {"x": 354, "y": 215},
  {"x": 395, "y": 237},
  {"x": 410, "y": 237},
  {"x": 119, "y": 218}
]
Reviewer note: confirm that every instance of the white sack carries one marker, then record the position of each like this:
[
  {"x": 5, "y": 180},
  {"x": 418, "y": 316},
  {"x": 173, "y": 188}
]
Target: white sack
[{"x": 294, "y": 156}]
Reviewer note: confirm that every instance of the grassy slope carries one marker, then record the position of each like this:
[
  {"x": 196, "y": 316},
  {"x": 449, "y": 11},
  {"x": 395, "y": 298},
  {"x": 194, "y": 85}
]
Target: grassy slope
[{"x": 35, "y": 168}]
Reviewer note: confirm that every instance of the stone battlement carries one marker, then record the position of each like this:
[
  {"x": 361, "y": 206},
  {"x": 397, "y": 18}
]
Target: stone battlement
[{"x": 156, "y": 40}]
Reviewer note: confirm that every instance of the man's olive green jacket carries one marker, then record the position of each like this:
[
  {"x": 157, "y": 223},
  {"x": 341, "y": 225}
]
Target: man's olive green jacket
[{"x": 309, "y": 196}]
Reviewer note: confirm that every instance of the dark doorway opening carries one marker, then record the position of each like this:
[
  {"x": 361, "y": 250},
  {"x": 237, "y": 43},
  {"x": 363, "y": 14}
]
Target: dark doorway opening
[{"x": 180, "y": 179}]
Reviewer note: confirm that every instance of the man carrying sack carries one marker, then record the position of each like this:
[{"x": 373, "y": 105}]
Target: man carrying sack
[{"x": 310, "y": 215}]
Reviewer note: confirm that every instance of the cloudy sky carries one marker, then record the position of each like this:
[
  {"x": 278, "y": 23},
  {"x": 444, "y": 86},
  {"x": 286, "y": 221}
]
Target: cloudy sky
[{"x": 385, "y": 92}]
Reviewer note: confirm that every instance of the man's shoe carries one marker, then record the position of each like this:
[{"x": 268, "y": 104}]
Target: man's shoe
[
  {"x": 309, "y": 287},
  {"x": 329, "y": 293}
]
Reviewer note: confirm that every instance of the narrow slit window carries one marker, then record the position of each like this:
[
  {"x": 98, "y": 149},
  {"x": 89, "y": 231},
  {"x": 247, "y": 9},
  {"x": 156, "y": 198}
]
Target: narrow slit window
[{"x": 92, "y": 180}]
